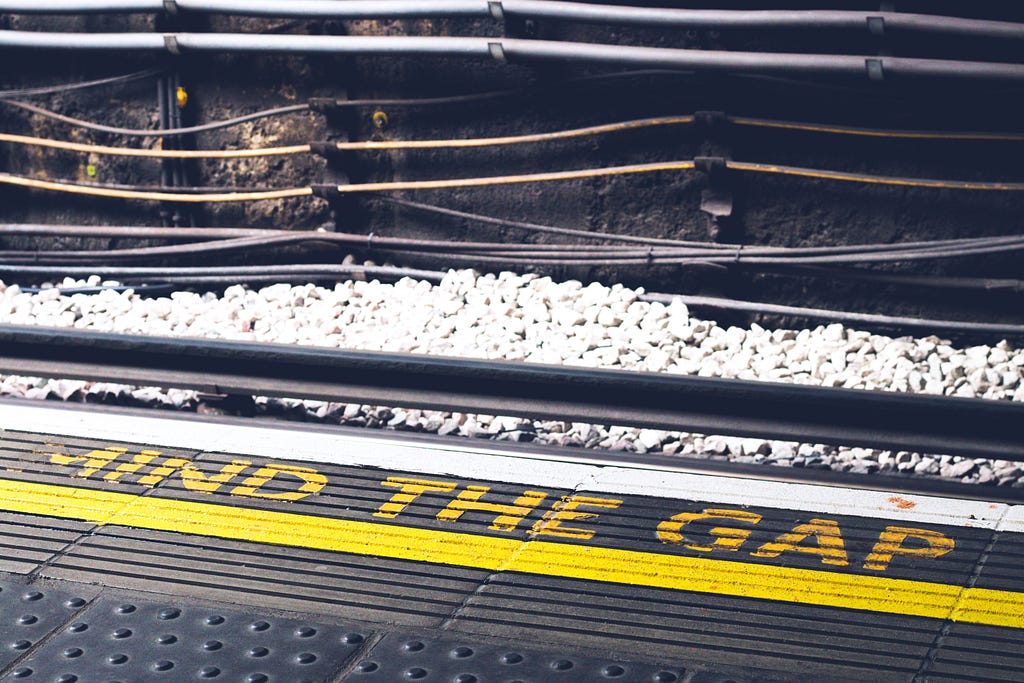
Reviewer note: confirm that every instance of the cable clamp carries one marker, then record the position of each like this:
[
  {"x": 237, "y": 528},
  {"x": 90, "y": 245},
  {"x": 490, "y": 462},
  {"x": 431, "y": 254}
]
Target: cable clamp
[
  {"x": 369, "y": 241},
  {"x": 876, "y": 26},
  {"x": 709, "y": 119},
  {"x": 170, "y": 6},
  {"x": 171, "y": 43},
  {"x": 712, "y": 166},
  {"x": 875, "y": 70},
  {"x": 497, "y": 51},
  {"x": 326, "y": 191},
  {"x": 739, "y": 253},
  {"x": 497, "y": 11},
  {"x": 322, "y": 105},
  {"x": 323, "y": 148}
]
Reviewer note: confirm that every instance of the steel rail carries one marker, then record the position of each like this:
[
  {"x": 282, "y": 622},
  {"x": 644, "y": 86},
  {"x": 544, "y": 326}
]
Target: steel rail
[
  {"x": 844, "y": 20},
  {"x": 956, "y": 426},
  {"x": 525, "y": 51}
]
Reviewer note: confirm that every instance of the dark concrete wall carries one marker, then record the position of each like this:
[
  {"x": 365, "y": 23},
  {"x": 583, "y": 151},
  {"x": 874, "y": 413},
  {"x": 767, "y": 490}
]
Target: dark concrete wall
[{"x": 769, "y": 210}]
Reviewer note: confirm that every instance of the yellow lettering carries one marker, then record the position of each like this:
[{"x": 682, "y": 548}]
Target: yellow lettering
[
  {"x": 312, "y": 482},
  {"x": 139, "y": 461},
  {"x": 829, "y": 539},
  {"x": 726, "y": 538},
  {"x": 566, "y": 510},
  {"x": 890, "y": 543},
  {"x": 94, "y": 460},
  {"x": 194, "y": 480},
  {"x": 509, "y": 516},
  {"x": 166, "y": 469},
  {"x": 409, "y": 490}
]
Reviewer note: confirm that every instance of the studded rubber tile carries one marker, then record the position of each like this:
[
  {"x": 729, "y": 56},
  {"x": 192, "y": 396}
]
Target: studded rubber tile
[
  {"x": 128, "y": 641},
  {"x": 403, "y": 657},
  {"x": 28, "y": 614}
]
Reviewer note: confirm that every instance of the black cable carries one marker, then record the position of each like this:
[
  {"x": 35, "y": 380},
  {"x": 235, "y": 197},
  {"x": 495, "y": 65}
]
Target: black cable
[
  {"x": 68, "y": 87},
  {"x": 142, "y": 132}
]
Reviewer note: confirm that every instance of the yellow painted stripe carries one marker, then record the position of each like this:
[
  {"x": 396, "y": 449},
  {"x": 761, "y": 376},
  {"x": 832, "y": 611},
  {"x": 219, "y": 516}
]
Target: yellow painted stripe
[{"x": 638, "y": 568}]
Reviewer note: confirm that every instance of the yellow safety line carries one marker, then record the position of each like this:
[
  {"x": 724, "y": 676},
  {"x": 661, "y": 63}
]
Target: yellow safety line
[{"x": 631, "y": 567}]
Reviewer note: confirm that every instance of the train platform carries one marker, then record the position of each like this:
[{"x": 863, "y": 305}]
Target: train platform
[{"x": 175, "y": 548}]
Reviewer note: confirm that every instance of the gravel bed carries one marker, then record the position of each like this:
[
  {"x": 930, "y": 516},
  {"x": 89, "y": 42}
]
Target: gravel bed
[{"x": 534, "y": 319}]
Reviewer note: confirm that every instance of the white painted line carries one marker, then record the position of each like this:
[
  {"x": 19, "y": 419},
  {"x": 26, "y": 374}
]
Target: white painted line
[{"x": 380, "y": 451}]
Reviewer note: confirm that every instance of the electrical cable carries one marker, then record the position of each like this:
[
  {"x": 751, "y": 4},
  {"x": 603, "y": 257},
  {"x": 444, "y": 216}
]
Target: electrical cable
[
  {"x": 868, "y": 22},
  {"x": 137, "y": 132},
  {"x": 159, "y": 196},
  {"x": 515, "y": 50},
  {"x": 534, "y": 227},
  {"x": 154, "y": 153},
  {"x": 873, "y": 132},
  {"x": 961, "y": 326},
  {"x": 588, "y": 131},
  {"x": 81, "y": 85}
]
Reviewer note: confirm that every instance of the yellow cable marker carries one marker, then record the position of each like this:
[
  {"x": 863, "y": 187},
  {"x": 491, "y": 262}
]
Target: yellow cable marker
[{"x": 631, "y": 567}]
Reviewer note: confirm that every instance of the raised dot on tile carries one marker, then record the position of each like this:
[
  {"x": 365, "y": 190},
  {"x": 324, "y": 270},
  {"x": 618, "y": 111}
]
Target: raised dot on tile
[
  {"x": 27, "y": 619},
  {"x": 78, "y": 627},
  {"x": 73, "y": 652},
  {"x": 67, "y": 678},
  {"x": 32, "y": 596},
  {"x": 122, "y": 633},
  {"x": 511, "y": 658},
  {"x": 125, "y": 609},
  {"x": 215, "y": 620},
  {"x": 257, "y": 678},
  {"x": 22, "y": 672},
  {"x": 169, "y": 613},
  {"x": 305, "y": 658},
  {"x": 367, "y": 667},
  {"x": 74, "y": 602},
  {"x": 117, "y": 658},
  {"x": 209, "y": 672},
  {"x": 21, "y": 644},
  {"x": 167, "y": 639},
  {"x": 561, "y": 665},
  {"x": 305, "y": 632},
  {"x": 352, "y": 638},
  {"x": 665, "y": 677},
  {"x": 259, "y": 626},
  {"x": 465, "y": 678},
  {"x": 212, "y": 645},
  {"x": 612, "y": 671},
  {"x": 413, "y": 646},
  {"x": 415, "y": 673},
  {"x": 462, "y": 652},
  {"x": 163, "y": 665},
  {"x": 259, "y": 652}
]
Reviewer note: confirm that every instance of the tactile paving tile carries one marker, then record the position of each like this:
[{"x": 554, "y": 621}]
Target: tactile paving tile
[
  {"x": 128, "y": 641},
  {"x": 28, "y": 614},
  {"x": 403, "y": 657}
]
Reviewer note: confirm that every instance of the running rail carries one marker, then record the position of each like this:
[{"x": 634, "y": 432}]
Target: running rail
[
  {"x": 517, "y": 50},
  {"x": 871, "y": 22},
  {"x": 876, "y": 419}
]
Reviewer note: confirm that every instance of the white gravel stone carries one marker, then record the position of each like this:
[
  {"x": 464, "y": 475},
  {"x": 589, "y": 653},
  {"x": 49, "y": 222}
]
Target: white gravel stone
[{"x": 535, "y": 319}]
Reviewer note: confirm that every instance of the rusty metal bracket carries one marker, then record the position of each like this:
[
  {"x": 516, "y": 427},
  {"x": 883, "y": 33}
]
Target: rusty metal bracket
[{"x": 717, "y": 199}]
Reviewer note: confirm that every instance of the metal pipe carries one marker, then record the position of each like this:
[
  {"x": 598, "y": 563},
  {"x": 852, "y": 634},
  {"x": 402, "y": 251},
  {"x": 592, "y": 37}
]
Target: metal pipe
[
  {"x": 546, "y": 9},
  {"x": 503, "y": 49},
  {"x": 876, "y": 419}
]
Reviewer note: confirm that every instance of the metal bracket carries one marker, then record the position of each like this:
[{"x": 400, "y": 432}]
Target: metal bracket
[
  {"x": 875, "y": 70},
  {"x": 496, "y": 10},
  {"x": 876, "y": 26},
  {"x": 324, "y": 191},
  {"x": 170, "y": 6},
  {"x": 171, "y": 44},
  {"x": 716, "y": 200}
]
